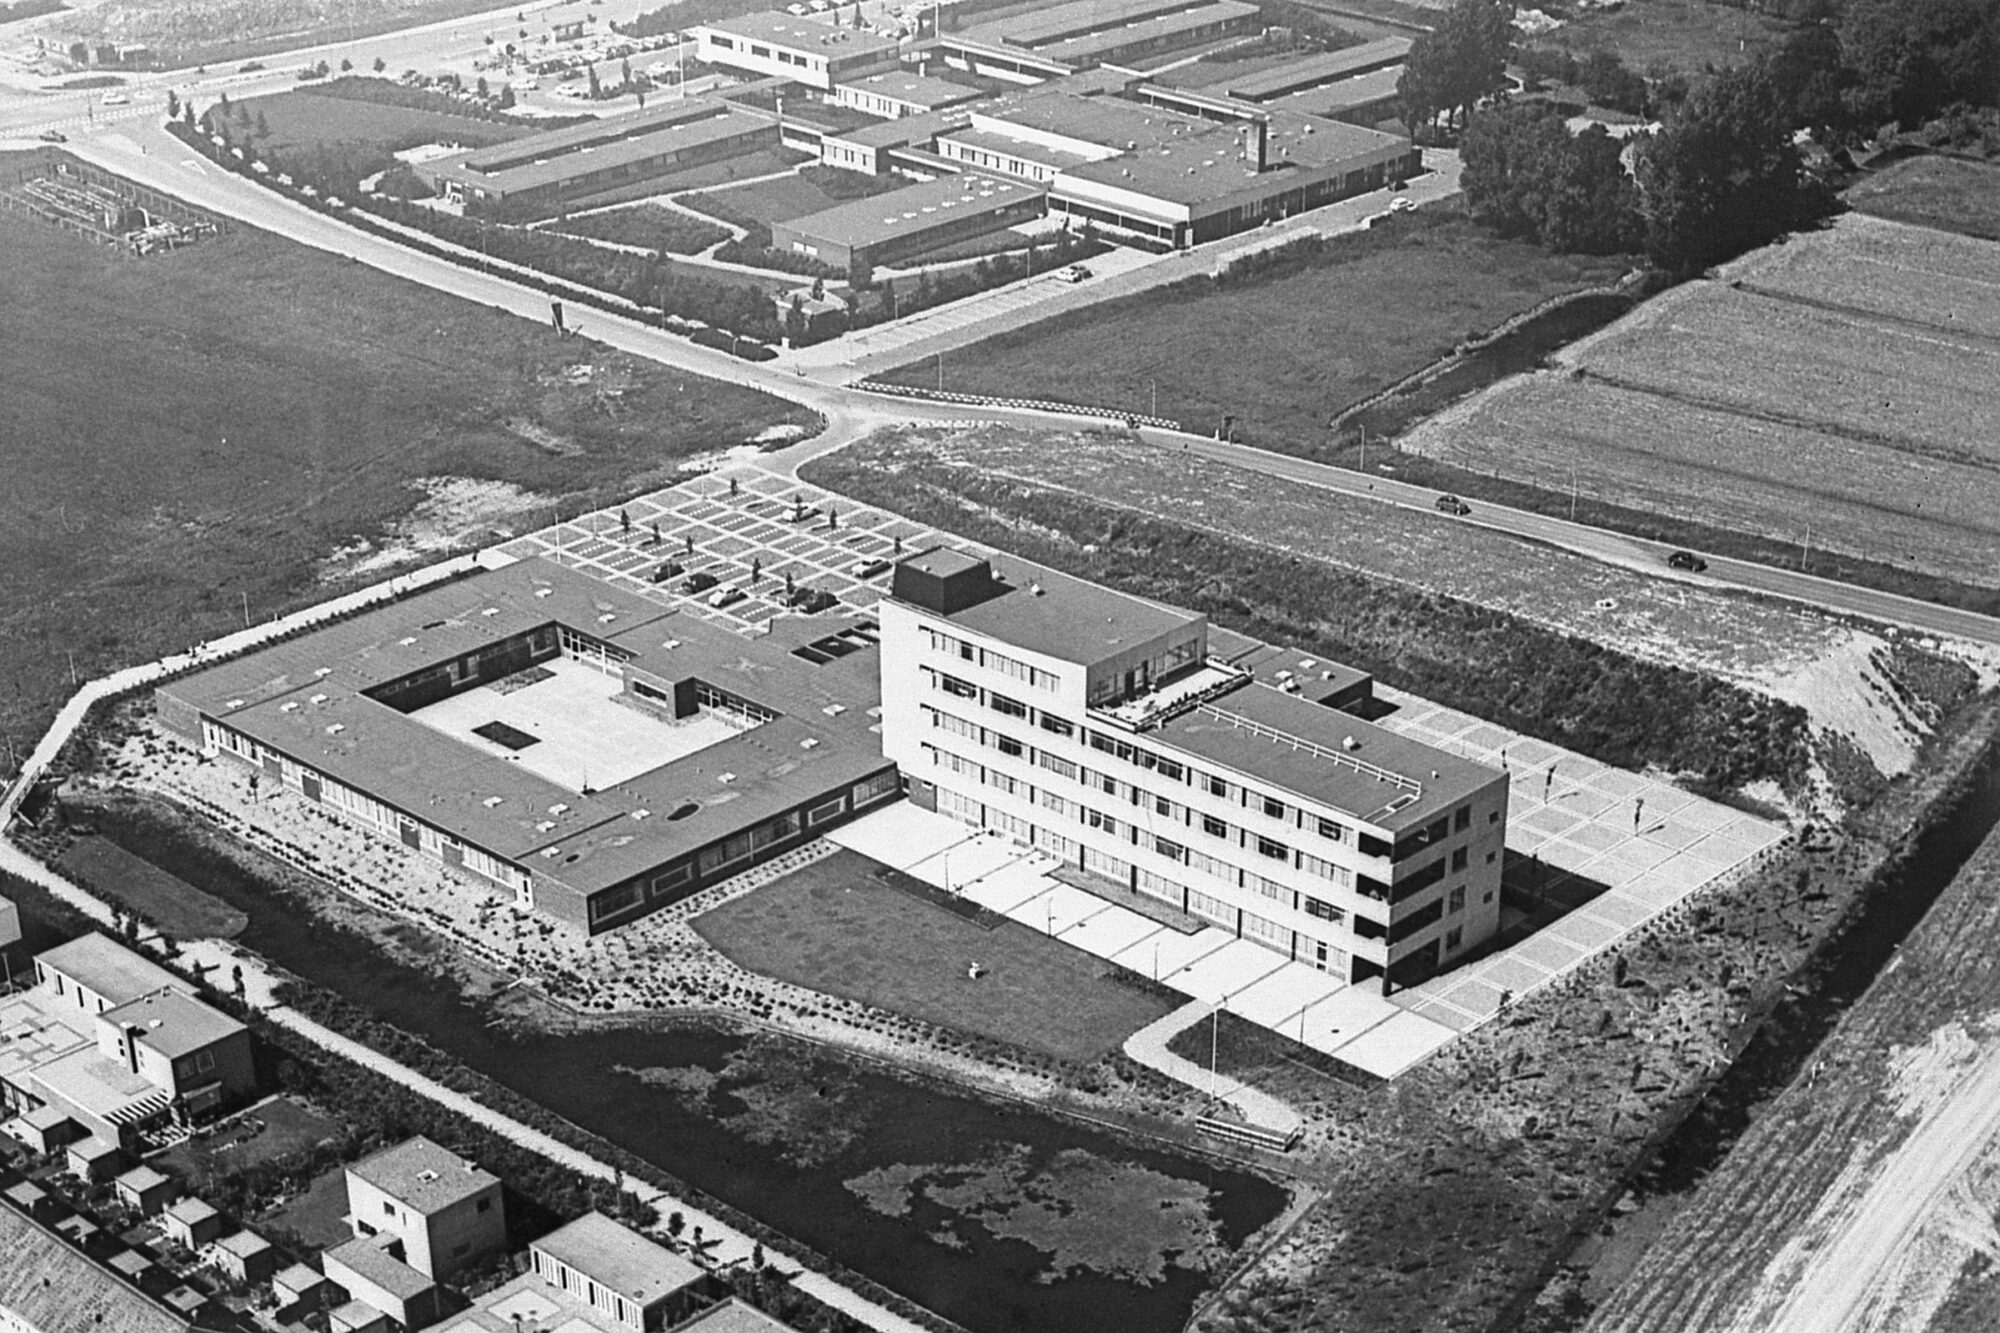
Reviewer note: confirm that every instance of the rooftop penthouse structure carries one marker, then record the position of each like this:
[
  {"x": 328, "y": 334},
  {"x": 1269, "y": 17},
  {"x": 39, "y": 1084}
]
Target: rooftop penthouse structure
[{"x": 1103, "y": 729}]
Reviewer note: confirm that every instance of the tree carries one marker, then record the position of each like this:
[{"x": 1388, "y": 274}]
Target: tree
[
  {"x": 346, "y": 65},
  {"x": 380, "y": 64},
  {"x": 1607, "y": 82},
  {"x": 263, "y": 126},
  {"x": 596, "y": 89},
  {"x": 1724, "y": 176},
  {"x": 173, "y": 105},
  {"x": 187, "y": 114},
  {"x": 1526, "y": 175},
  {"x": 1810, "y": 77},
  {"x": 480, "y": 87},
  {"x": 1457, "y": 64},
  {"x": 505, "y": 101},
  {"x": 857, "y": 15},
  {"x": 1913, "y": 58}
]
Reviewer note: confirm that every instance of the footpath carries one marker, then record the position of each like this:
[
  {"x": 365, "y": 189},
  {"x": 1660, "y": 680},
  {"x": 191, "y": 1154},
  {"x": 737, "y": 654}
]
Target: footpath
[{"x": 1149, "y": 1047}]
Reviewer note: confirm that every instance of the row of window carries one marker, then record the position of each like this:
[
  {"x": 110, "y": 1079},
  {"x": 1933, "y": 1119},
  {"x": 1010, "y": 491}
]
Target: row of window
[{"x": 940, "y": 642}]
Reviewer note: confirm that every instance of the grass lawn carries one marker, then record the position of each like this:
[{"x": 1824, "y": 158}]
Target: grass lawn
[
  {"x": 177, "y": 907},
  {"x": 300, "y": 120},
  {"x": 834, "y": 927},
  {"x": 207, "y": 426},
  {"x": 319, "y": 1216},
  {"x": 1281, "y": 351},
  {"x": 784, "y": 198},
  {"x": 1685, "y": 36},
  {"x": 260, "y": 1134},
  {"x": 1949, "y": 193}
]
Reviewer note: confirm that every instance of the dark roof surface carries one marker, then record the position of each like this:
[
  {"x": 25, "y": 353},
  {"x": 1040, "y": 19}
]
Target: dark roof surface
[{"x": 1069, "y": 619}]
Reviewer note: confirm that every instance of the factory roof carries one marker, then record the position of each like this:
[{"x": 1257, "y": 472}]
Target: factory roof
[
  {"x": 1213, "y": 165},
  {"x": 615, "y": 141},
  {"x": 1095, "y": 45},
  {"x": 917, "y": 89},
  {"x": 1101, "y": 119},
  {"x": 821, "y": 34},
  {"x": 883, "y": 217},
  {"x": 1314, "y": 70},
  {"x": 1333, "y": 98},
  {"x": 1039, "y": 28}
]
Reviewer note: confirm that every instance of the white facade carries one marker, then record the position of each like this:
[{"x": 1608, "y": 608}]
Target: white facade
[{"x": 1030, "y": 745}]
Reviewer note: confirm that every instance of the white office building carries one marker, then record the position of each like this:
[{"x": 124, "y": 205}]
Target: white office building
[{"x": 1098, "y": 727}]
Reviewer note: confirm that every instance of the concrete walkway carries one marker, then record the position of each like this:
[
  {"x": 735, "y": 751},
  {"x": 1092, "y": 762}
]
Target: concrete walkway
[{"x": 1149, "y": 1047}]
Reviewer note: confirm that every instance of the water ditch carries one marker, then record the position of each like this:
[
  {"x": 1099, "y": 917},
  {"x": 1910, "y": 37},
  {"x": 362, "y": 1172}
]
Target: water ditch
[{"x": 994, "y": 1215}]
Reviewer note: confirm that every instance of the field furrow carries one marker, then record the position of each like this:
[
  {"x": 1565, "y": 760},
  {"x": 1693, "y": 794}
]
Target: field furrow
[
  {"x": 1724, "y": 469},
  {"x": 1878, "y": 267},
  {"x": 1776, "y": 359}
]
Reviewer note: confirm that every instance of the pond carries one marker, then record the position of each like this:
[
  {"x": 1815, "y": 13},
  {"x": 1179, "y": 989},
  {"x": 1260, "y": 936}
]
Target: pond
[{"x": 992, "y": 1214}]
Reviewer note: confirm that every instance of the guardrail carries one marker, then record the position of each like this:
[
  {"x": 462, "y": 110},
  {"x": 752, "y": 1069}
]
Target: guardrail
[{"x": 1026, "y": 404}]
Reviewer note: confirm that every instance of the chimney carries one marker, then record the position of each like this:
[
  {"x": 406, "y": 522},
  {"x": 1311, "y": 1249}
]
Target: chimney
[
  {"x": 132, "y": 1031},
  {"x": 1263, "y": 133}
]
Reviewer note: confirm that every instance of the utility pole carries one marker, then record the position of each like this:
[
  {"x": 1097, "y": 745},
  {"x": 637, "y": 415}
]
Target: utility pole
[
  {"x": 1156, "y": 397},
  {"x": 1572, "y": 492},
  {"x": 940, "y": 361},
  {"x": 1805, "y": 551},
  {"x": 246, "y": 610}
]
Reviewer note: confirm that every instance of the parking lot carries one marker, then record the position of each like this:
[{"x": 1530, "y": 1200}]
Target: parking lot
[{"x": 742, "y": 538}]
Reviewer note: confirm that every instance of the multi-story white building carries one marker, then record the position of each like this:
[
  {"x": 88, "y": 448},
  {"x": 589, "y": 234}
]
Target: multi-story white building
[{"x": 1098, "y": 727}]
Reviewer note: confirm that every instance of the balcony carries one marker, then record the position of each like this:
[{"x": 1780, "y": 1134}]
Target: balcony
[{"x": 1171, "y": 697}]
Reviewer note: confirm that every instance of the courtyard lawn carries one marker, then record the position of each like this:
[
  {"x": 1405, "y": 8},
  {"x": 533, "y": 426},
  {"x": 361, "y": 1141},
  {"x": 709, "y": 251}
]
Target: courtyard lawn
[
  {"x": 263, "y": 1133},
  {"x": 834, "y": 927},
  {"x": 1283, "y": 349},
  {"x": 177, "y": 907},
  {"x": 319, "y": 1216}
]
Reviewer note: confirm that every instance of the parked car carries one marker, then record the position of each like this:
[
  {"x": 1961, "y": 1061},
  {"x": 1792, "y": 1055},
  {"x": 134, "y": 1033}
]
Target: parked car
[
  {"x": 700, "y": 582},
  {"x": 1451, "y": 504},
  {"x": 1074, "y": 273},
  {"x": 868, "y": 569},
  {"x": 672, "y": 569},
  {"x": 1687, "y": 560},
  {"x": 116, "y": 99},
  {"x": 1402, "y": 204},
  {"x": 54, "y": 136},
  {"x": 725, "y": 597}
]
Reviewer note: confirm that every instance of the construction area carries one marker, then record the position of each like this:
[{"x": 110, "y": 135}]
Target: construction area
[{"x": 107, "y": 209}]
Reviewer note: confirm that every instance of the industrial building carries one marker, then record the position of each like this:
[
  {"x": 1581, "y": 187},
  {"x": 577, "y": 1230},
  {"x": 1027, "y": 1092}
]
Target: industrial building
[
  {"x": 583, "y": 750},
  {"x": 544, "y": 170},
  {"x": 903, "y": 93},
  {"x": 812, "y": 49},
  {"x": 1109, "y": 732},
  {"x": 888, "y": 227},
  {"x": 1049, "y": 43}
]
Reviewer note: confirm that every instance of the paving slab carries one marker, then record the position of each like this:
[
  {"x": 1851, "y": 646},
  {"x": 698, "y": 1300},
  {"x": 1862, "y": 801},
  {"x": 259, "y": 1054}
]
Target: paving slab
[
  {"x": 1172, "y": 950},
  {"x": 1221, "y": 973},
  {"x": 1393, "y": 1046},
  {"x": 899, "y": 835},
  {"x": 1277, "y": 1001}
]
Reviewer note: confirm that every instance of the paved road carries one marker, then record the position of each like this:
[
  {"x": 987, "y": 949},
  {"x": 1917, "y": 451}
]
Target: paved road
[{"x": 147, "y": 153}]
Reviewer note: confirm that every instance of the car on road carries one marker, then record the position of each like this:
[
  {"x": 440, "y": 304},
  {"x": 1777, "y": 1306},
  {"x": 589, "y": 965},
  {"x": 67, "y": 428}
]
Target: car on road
[
  {"x": 1687, "y": 560},
  {"x": 116, "y": 99},
  {"x": 700, "y": 582},
  {"x": 1074, "y": 273},
  {"x": 1402, "y": 204},
  {"x": 53, "y": 136},
  {"x": 722, "y": 597},
  {"x": 1451, "y": 504}
]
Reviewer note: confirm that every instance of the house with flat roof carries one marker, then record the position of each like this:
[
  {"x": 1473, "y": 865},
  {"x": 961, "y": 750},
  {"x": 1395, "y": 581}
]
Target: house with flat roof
[
  {"x": 626, "y": 1278},
  {"x": 1100, "y": 728},
  {"x": 373, "y": 1277},
  {"x": 295, "y": 1286},
  {"x": 579, "y": 749},
  {"x": 816, "y": 50},
  {"x": 191, "y": 1223},
  {"x": 94, "y": 973},
  {"x": 243, "y": 1257},
  {"x": 444, "y": 1210},
  {"x": 733, "y": 1316},
  {"x": 145, "y": 1190}
]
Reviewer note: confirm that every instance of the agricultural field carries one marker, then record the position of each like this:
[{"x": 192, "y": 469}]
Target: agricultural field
[
  {"x": 1847, "y": 425},
  {"x": 1284, "y": 348},
  {"x": 1743, "y": 1239},
  {"x": 1949, "y": 193},
  {"x": 272, "y": 406}
]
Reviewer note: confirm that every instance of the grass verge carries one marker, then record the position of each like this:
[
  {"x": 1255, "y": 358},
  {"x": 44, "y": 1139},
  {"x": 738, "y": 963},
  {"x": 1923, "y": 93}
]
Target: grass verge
[{"x": 1933, "y": 190}]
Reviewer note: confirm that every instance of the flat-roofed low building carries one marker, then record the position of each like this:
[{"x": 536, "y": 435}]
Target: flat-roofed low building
[
  {"x": 1233, "y": 176},
  {"x": 295, "y": 1286},
  {"x": 1318, "y": 70},
  {"x": 626, "y": 1278},
  {"x": 543, "y": 171},
  {"x": 368, "y": 1273},
  {"x": 94, "y": 973},
  {"x": 191, "y": 1223},
  {"x": 733, "y": 1316},
  {"x": 886, "y": 228},
  {"x": 813, "y": 49},
  {"x": 893, "y": 95},
  {"x": 94, "y": 1161},
  {"x": 358, "y": 1316},
  {"x": 1098, "y": 727},
  {"x": 1042, "y": 44},
  {"x": 244, "y": 1257},
  {"x": 673, "y": 752},
  {"x": 145, "y": 1189}
]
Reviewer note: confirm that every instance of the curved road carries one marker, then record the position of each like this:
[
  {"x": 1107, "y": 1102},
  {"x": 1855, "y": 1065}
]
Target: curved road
[{"x": 143, "y": 151}]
